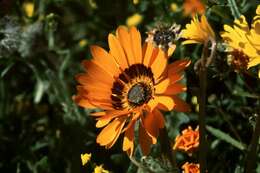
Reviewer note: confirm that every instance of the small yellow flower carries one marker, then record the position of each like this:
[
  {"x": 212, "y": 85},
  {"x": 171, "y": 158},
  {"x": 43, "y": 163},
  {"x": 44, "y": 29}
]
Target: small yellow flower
[
  {"x": 194, "y": 101},
  {"x": 92, "y": 4},
  {"x": 85, "y": 158},
  {"x": 174, "y": 7},
  {"x": 134, "y": 20},
  {"x": 198, "y": 31},
  {"x": 135, "y": 2},
  {"x": 83, "y": 42},
  {"x": 100, "y": 169},
  {"x": 243, "y": 43},
  {"x": 28, "y": 8}
]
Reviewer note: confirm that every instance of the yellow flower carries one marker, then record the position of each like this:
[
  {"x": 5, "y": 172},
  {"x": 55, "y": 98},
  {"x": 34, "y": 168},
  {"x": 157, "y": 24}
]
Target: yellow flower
[
  {"x": 85, "y": 158},
  {"x": 198, "y": 31},
  {"x": 134, "y": 20},
  {"x": 83, "y": 42},
  {"x": 100, "y": 169},
  {"x": 135, "y": 1},
  {"x": 194, "y": 101},
  {"x": 174, "y": 7},
  {"x": 28, "y": 8},
  {"x": 243, "y": 42}
]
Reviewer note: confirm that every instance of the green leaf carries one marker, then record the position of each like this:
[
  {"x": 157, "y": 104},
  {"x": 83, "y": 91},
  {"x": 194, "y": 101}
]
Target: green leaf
[
  {"x": 234, "y": 9},
  {"x": 225, "y": 137}
]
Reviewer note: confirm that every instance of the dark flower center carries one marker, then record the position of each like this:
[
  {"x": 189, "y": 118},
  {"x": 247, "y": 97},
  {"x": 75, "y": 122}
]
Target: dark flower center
[
  {"x": 133, "y": 87},
  {"x": 163, "y": 37},
  {"x": 239, "y": 60},
  {"x": 139, "y": 94}
]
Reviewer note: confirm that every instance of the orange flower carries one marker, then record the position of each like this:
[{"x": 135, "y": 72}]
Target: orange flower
[
  {"x": 192, "y": 7},
  {"x": 191, "y": 168},
  {"x": 130, "y": 83},
  {"x": 188, "y": 141}
]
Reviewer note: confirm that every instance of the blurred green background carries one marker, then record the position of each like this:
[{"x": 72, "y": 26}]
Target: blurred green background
[{"x": 43, "y": 131}]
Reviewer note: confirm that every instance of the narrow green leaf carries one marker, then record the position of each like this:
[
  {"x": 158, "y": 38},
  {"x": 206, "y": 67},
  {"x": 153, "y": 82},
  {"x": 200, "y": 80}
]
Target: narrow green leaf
[
  {"x": 234, "y": 9},
  {"x": 225, "y": 137}
]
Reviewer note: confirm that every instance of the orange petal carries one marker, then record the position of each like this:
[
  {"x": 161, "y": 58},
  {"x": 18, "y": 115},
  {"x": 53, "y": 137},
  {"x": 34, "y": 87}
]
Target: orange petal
[
  {"x": 152, "y": 104},
  {"x": 85, "y": 79},
  {"x": 175, "y": 77},
  {"x": 125, "y": 40},
  {"x": 178, "y": 66},
  {"x": 83, "y": 102},
  {"x": 97, "y": 114},
  {"x": 136, "y": 44},
  {"x": 159, "y": 118},
  {"x": 109, "y": 115},
  {"x": 147, "y": 52},
  {"x": 175, "y": 88},
  {"x": 110, "y": 132},
  {"x": 154, "y": 55},
  {"x": 104, "y": 60},
  {"x": 171, "y": 50},
  {"x": 151, "y": 126},
  {"x": 144, "y": 140},
  {"x": 132, "y": 119},
  {"x": 128, "y": 143},
  {"x": 117, "y": 51},
  {"x": 159, "y": 65},
  {"x": 181, "y": 105},
  {"x": 162, "y": 86},
  {"x": 98, "y": 73},
  {"x": 167, "y": 101},
  {"x": 119, "y": 131}
]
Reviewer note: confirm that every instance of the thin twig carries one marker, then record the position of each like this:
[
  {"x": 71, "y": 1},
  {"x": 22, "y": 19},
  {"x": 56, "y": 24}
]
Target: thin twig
[
  {"x": 252, "y": 152},
  {"x": 202, "y": 65}
]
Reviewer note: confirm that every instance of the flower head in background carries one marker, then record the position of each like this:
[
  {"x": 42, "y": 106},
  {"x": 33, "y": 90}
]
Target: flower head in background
[
  {"x": 100, "y": 169},
  {"x": 188, "y": 140},
  {"x": 198, "y": 31},
  {"x": 243, "y": 43},
  {"x": 130, "y": 83},
  {"x": 190, "y": 168},
  {"x": 134, "y": 20},
  {"x": 135, "y": 2},
  {"x": 193, "y": 7},
  {"x": 28, "y": 8},
  {"x": 174, "y": 7},
  {"x": 164, "y": 37},
  {"x": 85, "y": 158}
]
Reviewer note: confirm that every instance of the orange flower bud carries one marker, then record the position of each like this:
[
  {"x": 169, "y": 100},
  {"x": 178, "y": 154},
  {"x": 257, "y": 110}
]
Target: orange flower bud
[{"x": 188, "y": 141}]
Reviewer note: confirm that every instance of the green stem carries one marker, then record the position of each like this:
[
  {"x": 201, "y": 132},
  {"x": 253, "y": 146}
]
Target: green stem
[{"x": 252, "y": 152}]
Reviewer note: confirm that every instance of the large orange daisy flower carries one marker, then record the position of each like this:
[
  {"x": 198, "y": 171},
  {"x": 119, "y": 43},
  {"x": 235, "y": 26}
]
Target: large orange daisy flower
[{"x": 130, "y": 83}]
